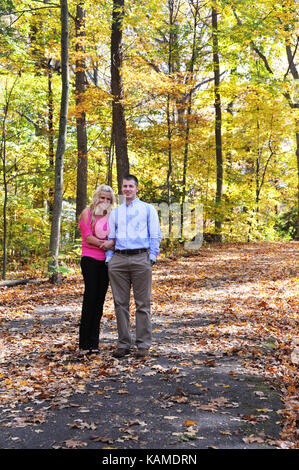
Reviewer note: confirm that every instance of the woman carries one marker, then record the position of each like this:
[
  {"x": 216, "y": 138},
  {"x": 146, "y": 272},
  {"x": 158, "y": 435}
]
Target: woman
[{"x": 94, "y": 231}]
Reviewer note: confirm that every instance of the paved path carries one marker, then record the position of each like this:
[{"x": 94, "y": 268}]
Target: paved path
[
  {"x": 192, "y": 395},
  {"x": 174, "y": 399}
]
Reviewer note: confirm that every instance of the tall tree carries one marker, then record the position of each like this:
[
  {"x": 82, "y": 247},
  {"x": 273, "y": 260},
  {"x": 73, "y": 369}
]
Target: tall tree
[
  {"x": 81, "y": 196},
  {"x": 6, "y": 180},
  {"x": 194, "y": 6},
  {"x": 57, "y": 205},
  {"x": 292, "y": 68},
  {"x": 118, "y": 111},
  {"x": 50, "y": 133},
  {"x": 218, "y": 119}
]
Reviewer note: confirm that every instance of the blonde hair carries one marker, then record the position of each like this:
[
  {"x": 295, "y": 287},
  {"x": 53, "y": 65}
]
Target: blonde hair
[{"x": 103, "y": 188}]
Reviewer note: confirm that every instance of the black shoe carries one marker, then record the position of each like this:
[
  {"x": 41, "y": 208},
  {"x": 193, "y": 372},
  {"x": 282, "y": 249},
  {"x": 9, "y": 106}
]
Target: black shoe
[
  {"x": 142, "y": 352},
  {"x": 93, "y": 351},
  {"x": 121, "y": 352},
  {"x": 83, "y": 352}
]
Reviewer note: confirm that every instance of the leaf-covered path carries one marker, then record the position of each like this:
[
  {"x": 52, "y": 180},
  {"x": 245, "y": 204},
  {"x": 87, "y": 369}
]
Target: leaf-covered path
[{"x": 221, "y": 374}]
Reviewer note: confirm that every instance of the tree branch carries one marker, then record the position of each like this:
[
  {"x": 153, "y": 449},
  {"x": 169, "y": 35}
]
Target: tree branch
[
  {"x": 292, "y": 67},
  {"x": 254, "y": 47},
  {"x": 54, "y": 5}
]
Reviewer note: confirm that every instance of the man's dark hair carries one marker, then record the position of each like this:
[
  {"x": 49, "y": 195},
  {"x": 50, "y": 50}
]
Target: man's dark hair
[{"x": 131, "y": 177}]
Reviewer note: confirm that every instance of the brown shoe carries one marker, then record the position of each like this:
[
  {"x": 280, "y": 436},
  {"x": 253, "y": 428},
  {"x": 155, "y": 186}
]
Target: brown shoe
[
  {"x": 142, "y": 352},
  {"x": 121, "y": 352}
]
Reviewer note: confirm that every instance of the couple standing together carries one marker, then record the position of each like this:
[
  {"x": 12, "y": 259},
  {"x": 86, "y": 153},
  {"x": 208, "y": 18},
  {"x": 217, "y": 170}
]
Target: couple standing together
[{"x": 119, "y": 245}]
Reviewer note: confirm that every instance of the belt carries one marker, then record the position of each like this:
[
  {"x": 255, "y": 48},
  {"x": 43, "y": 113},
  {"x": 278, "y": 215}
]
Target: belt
[{"x": 131, "y": 252}]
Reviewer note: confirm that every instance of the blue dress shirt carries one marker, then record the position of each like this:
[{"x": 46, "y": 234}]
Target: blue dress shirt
[{"x": 135, "y": 225}]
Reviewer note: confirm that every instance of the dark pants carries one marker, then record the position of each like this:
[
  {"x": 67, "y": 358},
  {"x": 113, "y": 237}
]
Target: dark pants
[{"x": 95, "y": 275}]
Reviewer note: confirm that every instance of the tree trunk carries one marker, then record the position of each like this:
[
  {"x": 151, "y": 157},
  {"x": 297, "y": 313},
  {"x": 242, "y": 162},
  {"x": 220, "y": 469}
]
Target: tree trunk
[
  {"x": 189, "y": 108},
  {"x": 81, "y": 197},
  {"x": 218, "y": 136},
  {"x": 171, "y": 68},
  {"x": 50, "y": 138},
  {"x": 118, "y": 112},
  {"x": 5, "y": 180},
  {"x": 294, "y": 71},
  {"x": 297, "y": 154},
  {"x": 110, "y": 154},
  {"x": 169, "y": 171},
  {"x": 57, "y": 207},
  {"x": 257, "y": 172},
  {"x": 3, "y": 155}
]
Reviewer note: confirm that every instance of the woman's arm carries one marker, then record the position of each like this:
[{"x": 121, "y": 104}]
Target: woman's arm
[
  {"x": 107, "y": 245},
  {"x": 86, "y": 230},
  {"x": 92, "y": 240}
]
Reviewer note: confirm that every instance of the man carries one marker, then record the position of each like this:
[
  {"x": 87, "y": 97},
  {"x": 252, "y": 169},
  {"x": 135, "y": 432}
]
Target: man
[{"x": 135, "y": 228}]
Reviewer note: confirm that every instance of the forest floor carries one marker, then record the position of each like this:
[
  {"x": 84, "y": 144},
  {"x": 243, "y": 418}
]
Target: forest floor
[{"x": 221, "y": 373}]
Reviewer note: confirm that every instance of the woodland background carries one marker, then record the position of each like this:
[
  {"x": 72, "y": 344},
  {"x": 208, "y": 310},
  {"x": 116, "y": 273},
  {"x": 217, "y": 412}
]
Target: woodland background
[{"x": 196, "y": 98}]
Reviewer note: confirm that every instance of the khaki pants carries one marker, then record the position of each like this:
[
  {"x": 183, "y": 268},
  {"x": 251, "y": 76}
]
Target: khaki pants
[{"x": 136, "y": 271}]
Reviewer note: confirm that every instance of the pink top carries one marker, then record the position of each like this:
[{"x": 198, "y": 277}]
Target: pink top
[{"x": 100, "y": 230}]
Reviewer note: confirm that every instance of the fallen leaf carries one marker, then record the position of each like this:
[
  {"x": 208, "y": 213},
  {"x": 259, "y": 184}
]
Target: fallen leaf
[
  {"x": 106, "y": 440},
  {"x": 251, "y": 439},
  {"x": 189, "y": 423},
  {"x": 70, "y": 443}
]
